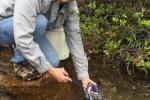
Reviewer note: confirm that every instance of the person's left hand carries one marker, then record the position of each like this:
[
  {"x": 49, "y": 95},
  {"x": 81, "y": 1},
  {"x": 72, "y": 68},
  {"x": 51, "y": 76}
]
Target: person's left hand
[{"x": 86, "y": 81}]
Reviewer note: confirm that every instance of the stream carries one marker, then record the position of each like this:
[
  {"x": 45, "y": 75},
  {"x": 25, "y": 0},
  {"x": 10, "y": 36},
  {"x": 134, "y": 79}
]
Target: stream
[{"x": 113, "y": 85}]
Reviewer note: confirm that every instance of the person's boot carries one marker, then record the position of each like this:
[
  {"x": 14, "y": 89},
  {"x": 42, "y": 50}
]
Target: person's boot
[
  {"x": 23, "y": 70},
  {"x": 18, "y": 57},
  {"x": 26, "y": 71}
]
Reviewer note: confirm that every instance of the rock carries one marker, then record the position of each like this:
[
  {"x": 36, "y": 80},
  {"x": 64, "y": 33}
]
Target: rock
[
  {"x": 133, "y": 87},
  {"x": 113, "y": 89}
]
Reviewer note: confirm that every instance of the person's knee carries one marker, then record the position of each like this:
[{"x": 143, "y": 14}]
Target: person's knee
[{"x": 41, "y": 22}]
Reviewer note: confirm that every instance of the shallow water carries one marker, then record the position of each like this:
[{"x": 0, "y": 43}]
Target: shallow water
[{"x": 113, "y": 85}]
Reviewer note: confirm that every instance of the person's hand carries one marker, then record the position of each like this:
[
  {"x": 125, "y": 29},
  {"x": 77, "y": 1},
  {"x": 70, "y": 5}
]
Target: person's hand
[
  {"x": 59, "y": 74},
  {"x": 86, "y": 81}
]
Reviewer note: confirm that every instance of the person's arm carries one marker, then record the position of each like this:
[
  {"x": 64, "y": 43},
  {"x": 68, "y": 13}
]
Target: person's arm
[
  {"x": 24, "y": 23},
  {"x": 73, "y": 37}
]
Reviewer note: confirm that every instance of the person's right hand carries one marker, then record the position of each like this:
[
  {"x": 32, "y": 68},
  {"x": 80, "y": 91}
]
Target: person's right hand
[{"x": 59, "y": 74}]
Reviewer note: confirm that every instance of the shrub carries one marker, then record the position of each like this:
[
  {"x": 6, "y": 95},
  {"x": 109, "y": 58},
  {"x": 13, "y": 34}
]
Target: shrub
[{"x": 119, "y": 28}]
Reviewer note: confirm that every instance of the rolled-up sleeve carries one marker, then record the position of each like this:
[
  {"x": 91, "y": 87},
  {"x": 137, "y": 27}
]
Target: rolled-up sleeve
[
  {"x": 73, "y": 37},
  {"x": 24, "y": 23}
]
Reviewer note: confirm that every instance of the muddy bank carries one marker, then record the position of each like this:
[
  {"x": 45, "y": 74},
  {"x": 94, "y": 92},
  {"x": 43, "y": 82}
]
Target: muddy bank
[
  {"x": 107, "y": 76},
  {"x": 44, "y": 88}
]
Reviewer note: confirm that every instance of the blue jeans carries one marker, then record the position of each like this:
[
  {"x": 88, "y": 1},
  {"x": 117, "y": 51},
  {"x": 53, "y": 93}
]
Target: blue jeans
[{"x": 7, "y": 37}]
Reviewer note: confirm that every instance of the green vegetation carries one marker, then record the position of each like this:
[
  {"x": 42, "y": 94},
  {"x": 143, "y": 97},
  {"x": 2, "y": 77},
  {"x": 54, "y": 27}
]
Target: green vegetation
[{"x": 119, "y": 29}]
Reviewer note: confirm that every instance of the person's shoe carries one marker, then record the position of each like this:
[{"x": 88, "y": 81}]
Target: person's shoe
[
  {"x": 20, "y": 71},
  {"x": 25, "y": 72}
]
